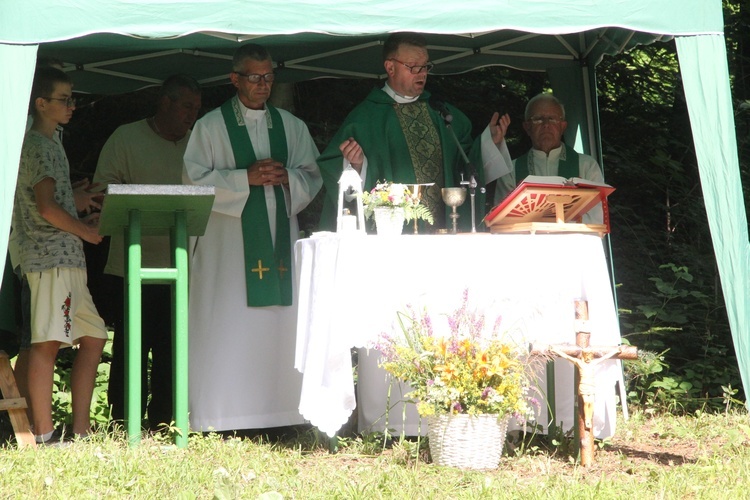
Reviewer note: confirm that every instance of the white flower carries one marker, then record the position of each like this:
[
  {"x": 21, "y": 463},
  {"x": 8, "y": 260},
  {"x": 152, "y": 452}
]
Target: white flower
[{"x": 396, "y": 193}]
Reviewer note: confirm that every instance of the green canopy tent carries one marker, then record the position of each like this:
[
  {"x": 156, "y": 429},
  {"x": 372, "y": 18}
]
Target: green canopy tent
[{"x": 113, "y": 46}]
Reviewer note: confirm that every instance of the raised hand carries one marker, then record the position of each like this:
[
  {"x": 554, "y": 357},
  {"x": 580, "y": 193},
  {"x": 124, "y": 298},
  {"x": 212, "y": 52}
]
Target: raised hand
[
  {"x": 352, "y": 152},
  {"x": 499, "y": 127}
]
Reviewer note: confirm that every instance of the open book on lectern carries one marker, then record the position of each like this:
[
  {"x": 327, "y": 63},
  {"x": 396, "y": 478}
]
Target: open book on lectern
[{"x": 550, "y": 204}]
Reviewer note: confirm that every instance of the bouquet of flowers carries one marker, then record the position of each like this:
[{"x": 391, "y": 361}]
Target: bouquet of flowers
[
  {"x": 390, "y": 195},
  {"x": 467, "y": 371}
]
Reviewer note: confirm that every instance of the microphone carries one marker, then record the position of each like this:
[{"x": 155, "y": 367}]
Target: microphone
[{"x": 439, "y": 106}]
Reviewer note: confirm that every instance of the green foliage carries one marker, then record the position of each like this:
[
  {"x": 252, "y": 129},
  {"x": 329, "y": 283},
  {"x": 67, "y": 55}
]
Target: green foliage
[
  {"x": 657, "y": 216},
  {"x": 692, "y": 363}
]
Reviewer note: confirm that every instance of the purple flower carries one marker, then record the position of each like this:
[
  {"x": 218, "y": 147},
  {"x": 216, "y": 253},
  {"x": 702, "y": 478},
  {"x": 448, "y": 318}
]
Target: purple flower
[
  {"x": 427, "y": 322},
  {"x": 457, "y": 407}
]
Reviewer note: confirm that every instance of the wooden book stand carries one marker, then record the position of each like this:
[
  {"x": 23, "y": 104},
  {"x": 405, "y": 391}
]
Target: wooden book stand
[{"x": 550, "y": 205}]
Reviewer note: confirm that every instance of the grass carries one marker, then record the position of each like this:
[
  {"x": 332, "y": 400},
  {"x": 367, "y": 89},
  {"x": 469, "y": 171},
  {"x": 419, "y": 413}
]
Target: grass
[
  {"x": 652, "y": 456},
  {"x": 698, "y": 456}
]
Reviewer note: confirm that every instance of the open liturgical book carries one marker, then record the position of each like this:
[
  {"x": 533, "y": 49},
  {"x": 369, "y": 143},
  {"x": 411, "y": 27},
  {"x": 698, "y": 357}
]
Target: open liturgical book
[{"x": 550, "y": 204}]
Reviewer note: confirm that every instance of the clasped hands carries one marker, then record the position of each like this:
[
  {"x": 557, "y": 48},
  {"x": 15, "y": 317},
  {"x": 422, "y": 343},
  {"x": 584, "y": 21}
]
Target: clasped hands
[{"x": 267, "y": 172}]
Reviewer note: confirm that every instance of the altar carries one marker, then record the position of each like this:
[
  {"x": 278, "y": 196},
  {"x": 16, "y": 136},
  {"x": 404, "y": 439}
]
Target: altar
[{"x": 351, "y": 286}]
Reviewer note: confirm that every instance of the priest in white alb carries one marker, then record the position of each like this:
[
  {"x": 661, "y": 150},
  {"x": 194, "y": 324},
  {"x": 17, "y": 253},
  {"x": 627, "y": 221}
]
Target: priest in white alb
[
  {"x": 544, "y": 123},
  {"x": 242, "y": 318}
]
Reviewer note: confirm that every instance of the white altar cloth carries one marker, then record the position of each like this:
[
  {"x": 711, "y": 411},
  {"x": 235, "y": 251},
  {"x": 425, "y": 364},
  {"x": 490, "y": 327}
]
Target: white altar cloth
[{"x": 351, "y": 286}]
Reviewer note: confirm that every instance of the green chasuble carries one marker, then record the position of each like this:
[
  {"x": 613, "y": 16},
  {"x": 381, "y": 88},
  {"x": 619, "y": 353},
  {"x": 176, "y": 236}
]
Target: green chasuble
[
  {"x": 567, "y": 165},
  {"x": 267, "y": 266},
  {"x": 376, "y": 126}
]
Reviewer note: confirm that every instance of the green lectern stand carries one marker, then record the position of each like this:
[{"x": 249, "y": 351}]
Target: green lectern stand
[{"x": 146, "y": 209}]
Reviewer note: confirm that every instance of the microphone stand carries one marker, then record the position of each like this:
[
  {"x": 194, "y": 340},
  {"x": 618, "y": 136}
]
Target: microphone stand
[{"x": 472, "y": 182}]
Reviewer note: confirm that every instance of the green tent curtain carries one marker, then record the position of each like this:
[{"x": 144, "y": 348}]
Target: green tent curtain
[
  {"x": 703, "y": 64},
  {"x": 15, "y": 87}
]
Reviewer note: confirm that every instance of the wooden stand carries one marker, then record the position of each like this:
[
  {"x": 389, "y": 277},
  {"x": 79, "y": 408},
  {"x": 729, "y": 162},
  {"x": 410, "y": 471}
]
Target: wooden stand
[
  {"x": 14, "y": 404},
  {"x": 180, "y": 211},
  {"x": 549, "y": 208}
]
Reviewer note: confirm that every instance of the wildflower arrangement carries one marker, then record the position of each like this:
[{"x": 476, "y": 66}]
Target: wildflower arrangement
[
  {"x": 391, "y": 195},
  {"x": 465, "y": 371}
]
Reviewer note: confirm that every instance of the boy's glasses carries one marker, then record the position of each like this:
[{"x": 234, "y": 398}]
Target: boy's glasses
[{"x": 69, "y": 101}]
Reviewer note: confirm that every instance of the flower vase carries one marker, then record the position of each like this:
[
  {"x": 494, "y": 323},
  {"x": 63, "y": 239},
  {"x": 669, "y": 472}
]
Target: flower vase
[
  {"x": 389, "y": 221},
  {"x": 467, "y": 441}
]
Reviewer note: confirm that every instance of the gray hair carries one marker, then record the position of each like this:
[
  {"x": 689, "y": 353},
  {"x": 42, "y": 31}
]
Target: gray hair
[
  {"x": 175, "y": 83},
  {"x": 249, "y": 51},
  {"x": 544, "y": 96}
]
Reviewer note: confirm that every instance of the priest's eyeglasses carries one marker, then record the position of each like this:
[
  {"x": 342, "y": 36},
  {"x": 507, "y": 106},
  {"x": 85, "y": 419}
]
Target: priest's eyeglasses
[
  {"x": 538, "y": 120},
  {"x": 256, "y": 78},
  {"x": 70, "y": 102},
  {"x": 415, "y": 70}
]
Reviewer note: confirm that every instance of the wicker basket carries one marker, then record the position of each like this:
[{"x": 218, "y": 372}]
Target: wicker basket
[{"x": 467, "y": 441}]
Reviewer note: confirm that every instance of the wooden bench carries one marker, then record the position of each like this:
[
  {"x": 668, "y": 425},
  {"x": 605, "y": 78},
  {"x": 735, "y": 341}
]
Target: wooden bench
[{"x": 14, "y": 404}]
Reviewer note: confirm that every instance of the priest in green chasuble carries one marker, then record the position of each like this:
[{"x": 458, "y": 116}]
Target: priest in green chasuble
[
  {"x": 399, "y": 134},
  {"x": 242, "y": 317},
  {"x": 544, "y": 122}
]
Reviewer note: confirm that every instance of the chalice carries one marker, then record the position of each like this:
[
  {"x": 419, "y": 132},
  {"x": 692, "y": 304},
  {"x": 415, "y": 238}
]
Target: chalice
[
  {"x": 454, "y": 197},
  {"x": 418, "y": 191}
]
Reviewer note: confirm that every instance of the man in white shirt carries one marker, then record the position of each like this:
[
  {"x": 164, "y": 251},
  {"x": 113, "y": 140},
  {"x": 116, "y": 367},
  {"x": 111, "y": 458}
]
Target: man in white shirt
[{"x": 148, "y": 151}]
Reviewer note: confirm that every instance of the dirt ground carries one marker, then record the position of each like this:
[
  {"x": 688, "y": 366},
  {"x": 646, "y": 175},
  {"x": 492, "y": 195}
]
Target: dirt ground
[{"x": 626, "y": 453}]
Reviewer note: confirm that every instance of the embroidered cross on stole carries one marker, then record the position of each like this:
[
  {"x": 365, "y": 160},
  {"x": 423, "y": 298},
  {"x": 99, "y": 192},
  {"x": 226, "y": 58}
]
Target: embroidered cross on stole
[
  {"x": 267, "y": 275},
  {"x": 426, "y": 153}
]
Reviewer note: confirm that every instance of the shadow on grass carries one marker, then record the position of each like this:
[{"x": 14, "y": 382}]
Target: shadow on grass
[{"x": 662, "y": 458}]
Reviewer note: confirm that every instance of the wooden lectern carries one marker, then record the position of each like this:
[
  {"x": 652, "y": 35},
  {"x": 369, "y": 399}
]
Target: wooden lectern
[
  {"x": 547, "y": 204},
  {"x": 179, "y": 211}
]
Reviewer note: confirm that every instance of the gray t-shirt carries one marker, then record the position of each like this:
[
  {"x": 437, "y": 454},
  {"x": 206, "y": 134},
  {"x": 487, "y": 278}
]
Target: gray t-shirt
[{"x": 42, "y": 246}]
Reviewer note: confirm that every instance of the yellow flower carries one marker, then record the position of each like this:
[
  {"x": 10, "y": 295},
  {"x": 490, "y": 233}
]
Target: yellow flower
[{"x": 468, "y": 371}]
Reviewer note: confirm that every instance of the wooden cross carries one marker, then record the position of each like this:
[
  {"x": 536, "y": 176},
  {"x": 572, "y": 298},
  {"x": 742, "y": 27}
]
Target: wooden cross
[
  {"x": 281, "y": 268},
  {"x": 586, "y": 359},
  {"x": 260, "y": 269}
]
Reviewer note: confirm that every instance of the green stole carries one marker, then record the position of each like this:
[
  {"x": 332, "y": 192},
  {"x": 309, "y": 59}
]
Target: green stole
[
  {"x": 567, "y": 166},
  {"x": 267, "y": 268},
  {"x": 423, "y": 143}
]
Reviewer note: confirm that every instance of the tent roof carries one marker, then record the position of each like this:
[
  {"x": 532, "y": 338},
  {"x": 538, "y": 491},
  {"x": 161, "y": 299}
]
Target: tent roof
[
  {"x": 35, "y": 21},
  {"x": 124, "y": 45},
  {"x": 105, "y": 63}
]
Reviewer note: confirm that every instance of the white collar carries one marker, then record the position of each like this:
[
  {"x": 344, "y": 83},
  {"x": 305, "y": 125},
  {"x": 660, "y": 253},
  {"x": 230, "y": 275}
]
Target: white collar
[
  {"x": 251, "y": 114},
  {"x": 401, "y": 99},
  {"x": 558, "y": 152}
]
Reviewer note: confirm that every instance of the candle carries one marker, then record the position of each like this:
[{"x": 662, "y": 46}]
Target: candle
[{"x": 348, "y": 223}]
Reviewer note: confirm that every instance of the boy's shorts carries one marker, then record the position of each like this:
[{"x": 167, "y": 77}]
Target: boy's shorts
[{"x": 61, "y": 307}]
